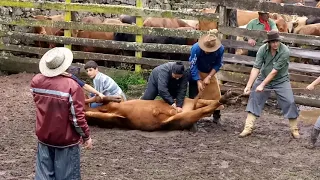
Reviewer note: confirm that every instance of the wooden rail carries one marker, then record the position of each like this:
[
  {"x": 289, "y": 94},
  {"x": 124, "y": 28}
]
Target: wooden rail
[
  {"x": 152, "y": 47},
  {"x": 112, "y": 9},
  {"x": 130, "y": 29}
]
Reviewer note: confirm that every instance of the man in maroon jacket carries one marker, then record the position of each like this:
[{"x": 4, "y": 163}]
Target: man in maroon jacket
[{"x": 61, "y": 119}]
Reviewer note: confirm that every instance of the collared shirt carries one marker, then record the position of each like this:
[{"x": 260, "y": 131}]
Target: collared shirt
[
  {"x": 280, "y": 62},
  {"x": 106, "y": 85},
  {"x": 200, "y": 61},
  {"x": 255, "y": 24}
]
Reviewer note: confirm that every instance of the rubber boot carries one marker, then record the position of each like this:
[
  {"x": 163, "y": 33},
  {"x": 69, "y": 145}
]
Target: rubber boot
[
  {"x": 294, "y": 128},
  {"x": 313, "y": 138},
  {"x": 248, "y": 126}
]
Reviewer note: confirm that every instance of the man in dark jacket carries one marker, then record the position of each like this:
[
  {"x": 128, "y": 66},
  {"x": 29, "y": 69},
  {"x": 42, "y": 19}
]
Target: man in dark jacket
[
  {"x": 61, "y": 122},
  {"x": 169, "y": 81}
]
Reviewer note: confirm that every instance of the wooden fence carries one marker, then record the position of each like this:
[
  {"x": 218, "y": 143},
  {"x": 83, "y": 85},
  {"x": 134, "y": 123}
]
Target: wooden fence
[{"x": 235, "y": 70}]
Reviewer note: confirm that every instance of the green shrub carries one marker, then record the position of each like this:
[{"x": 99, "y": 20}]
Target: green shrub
[{"x": 124, "y": 81}]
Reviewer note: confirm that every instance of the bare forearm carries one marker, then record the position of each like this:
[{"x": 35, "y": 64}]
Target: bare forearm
[
  {"x": 269, "y": 78},
  {"x": 90, "y": 89},
  {"x": 253, "y": 75},
  {"x": 212, "y": 73},
  {"x": 316, "y": 82}
]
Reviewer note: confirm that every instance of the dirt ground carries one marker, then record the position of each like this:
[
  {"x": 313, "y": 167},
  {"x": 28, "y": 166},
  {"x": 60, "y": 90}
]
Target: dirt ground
[{"x": 214, "y": 152}]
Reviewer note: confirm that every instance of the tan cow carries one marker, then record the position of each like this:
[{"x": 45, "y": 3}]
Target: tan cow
[
  {"x": 48, "y": 30},
  {"x": 152, "y": 115},
  {"x": 164, "y": 22}
]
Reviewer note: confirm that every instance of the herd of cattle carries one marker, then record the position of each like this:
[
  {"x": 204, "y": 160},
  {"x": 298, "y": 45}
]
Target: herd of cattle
[{"x": 285, "y": 23}]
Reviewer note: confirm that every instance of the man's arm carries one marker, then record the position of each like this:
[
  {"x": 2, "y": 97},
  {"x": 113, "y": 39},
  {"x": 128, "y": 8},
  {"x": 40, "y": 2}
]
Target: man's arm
[
  {"x": 193, "y": 64},
  {"x": 256, "y": 67},
  {"x": 163, "y": 88},
  {"x": 78, "y": 114},
  {"x": 218, "y": 62},
  {"x": 249, "y": 27},
  {"x": 183, "y": 89}
]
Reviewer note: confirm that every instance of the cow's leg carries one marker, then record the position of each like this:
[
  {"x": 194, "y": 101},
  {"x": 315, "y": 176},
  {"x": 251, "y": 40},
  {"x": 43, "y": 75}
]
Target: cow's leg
[
  {"x": 191, "y": 117},
  {"x": 102, "y": 116}
]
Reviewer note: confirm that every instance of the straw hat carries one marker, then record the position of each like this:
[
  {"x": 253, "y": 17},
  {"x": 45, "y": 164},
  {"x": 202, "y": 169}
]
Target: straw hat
[
  {"x": 209, "y": 43},
  {"x": 55, "y": 61}
]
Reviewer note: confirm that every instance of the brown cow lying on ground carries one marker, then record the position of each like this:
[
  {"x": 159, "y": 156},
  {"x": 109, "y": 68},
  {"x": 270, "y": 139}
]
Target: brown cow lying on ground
[{"x": 152, "y": 115}]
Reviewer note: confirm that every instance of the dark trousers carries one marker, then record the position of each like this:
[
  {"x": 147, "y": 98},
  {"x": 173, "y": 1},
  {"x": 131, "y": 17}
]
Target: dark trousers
[
  {"x": 193, "y": 92},
  {"x": 57, "y": 163},
  {"x": 152, "y": 92}
]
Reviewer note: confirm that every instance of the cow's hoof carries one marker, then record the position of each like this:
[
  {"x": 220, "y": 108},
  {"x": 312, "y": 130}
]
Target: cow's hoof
[{"x": 194, "y": 128}]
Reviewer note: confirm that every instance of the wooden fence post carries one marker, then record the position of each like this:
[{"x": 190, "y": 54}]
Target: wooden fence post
[
  {"x": 223, "y": 21},
  {"x": 139, "y": 38},
  {"x": 67, "y": 18}
]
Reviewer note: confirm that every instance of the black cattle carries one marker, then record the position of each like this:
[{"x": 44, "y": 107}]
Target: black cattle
[
  {"x": 157, "y": 40},
  {"x": 127, "y": 19}
]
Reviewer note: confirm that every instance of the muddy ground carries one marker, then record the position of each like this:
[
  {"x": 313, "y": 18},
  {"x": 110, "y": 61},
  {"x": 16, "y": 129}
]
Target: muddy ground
[{"x": 214, "y": 152}]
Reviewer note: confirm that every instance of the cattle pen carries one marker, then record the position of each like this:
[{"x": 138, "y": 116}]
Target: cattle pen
[{"x": 214, "y": 152}]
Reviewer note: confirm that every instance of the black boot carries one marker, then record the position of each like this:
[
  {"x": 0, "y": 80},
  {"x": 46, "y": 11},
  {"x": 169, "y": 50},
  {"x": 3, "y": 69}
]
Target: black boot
[
  {"x": 313, "y": 138},
  {"x": 216, "y": 116}
]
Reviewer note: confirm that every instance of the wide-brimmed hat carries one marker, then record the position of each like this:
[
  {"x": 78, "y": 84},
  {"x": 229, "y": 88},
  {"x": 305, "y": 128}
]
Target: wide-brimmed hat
[
  {"x": 263, "y": 12},
  {"x": 209, "y": 43},
  {"x": 55, "y": 61},
  {"x": 272, "y": 36}
]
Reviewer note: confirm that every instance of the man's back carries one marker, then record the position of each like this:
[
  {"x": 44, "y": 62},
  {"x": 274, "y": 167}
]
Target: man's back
[{"x": 59, "y": 106}]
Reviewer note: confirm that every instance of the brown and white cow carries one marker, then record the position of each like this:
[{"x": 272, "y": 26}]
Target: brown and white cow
[{"x": 153, "y": 115}]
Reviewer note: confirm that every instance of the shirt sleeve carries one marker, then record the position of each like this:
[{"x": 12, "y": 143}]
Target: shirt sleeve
[
  {"x": 80, "y": 82},
  {"x": 163, "y": 88},
  {"x": 219, "y": 61},
  {"x": 259, "y": 58},
  {"x": 183, "y": 89},
  {"x": 78, "y": 114},
  {"x": 193, "y": 64},
  {"x": 273, "y": 25},
  {"x": 282, "y": 61},
  {"x": 249, "y": 27}
]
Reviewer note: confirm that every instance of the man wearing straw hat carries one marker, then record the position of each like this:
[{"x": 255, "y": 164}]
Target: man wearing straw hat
[
  {"x": 61, "y": 123},
  {"x": 205, "y": 61},
  {"x": 270, "y": 72}
]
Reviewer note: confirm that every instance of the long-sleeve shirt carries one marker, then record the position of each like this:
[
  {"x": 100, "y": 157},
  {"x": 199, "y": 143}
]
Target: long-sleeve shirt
[
  {"x": 200, "y": 61},
  {"x": 162, "y": 79},
  {"x": 255, "y": 24},
  {"x": 60, "y": 111},
  {"x": 106, "y": 85}
]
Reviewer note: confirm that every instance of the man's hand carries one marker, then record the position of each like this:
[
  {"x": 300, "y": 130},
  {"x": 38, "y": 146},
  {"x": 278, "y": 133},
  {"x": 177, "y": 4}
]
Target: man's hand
[
  {"x": 179, "y": 109},
  {"x": 101, "y": 95},
  {"x": 206, "y": 80},
  {"x": 252, "y": 42},
  {"x": 88, "y": 144},
  {"x": 260, "y": 88},
  {"x": 200, "y": 85},
  {"x": 246, "y": 90},
  {"x": 310, "y": 87}
]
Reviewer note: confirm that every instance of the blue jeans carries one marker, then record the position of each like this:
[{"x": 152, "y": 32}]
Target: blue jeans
[
  {"x": 57, "y": 163},
  {"x": 94, "y": 104}
]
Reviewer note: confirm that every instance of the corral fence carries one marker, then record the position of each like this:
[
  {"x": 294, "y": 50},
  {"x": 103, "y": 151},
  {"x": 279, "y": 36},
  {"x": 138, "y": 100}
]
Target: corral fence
[{"x": 236, "y": 68}]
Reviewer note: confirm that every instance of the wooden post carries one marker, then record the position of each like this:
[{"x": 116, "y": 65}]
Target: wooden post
[
  {"x": 223, "y": 21},
  {"x": 67, "y": 18},
  {"x": 139, "y": 38}
]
